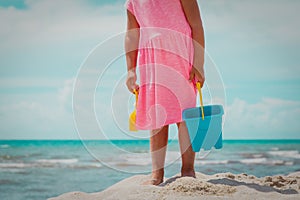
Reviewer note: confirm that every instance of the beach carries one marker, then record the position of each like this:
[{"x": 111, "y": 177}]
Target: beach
[
  {"x": 217, "y": 186},
  {"x": 47, "y": 169}
]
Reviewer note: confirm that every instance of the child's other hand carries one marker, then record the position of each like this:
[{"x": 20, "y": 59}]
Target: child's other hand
[
  {"x": 197, "y": 75},
  {"x": 131, "y": 81}
]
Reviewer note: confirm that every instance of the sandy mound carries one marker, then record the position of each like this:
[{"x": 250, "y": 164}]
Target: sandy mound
[
  {"x": 218, "y": 186},
  {"x": 196, "y": 187}
]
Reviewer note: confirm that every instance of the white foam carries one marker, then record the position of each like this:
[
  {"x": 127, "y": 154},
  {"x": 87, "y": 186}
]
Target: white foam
[
  {"x": 211, "y": 162},
  {"x": 276, "y": 162},
  {"x": 96, "y": 165},
  {"x": 288, "y": 154},
  {"x": 72, "y": 163},
  {"x": 86, "y": 166},
  {"x": 280, "y": 162},
  {"x": 257, "y": 155},
  {"x": 58, "y": 161},
  {"x": 274, "y": 148},
  {"x": 142, "y": 159},
  {"x": 253, "y": 161},
  {"x": 265, "y": 161},
  {"x": 289, "y": 163},
  {"x": 4, "y": 146},
  {"x": 15, "y": 165}
]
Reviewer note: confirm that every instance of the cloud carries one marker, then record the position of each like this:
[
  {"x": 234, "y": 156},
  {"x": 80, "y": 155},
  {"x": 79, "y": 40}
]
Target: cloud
[
  {"x": 49, "y": 116},
  {"x": 52, "y": 38},
  {"x": 59, "y": 22},
  {"x": 254, "y": 43},
  {"x": 27, "y": 83},
  {"x": 259, "y": 22},
  {"x": 43, "y": 45},
  {"x": 65, "y": 94},
  {"x": 38, "y": 116},
  {"x": 268, "y": 118}
]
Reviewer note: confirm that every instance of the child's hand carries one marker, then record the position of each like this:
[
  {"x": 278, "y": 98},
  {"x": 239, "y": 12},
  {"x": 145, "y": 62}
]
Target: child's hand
[
  {"x": 131, "y": 81},
  {"x": 197, "y": 75}
]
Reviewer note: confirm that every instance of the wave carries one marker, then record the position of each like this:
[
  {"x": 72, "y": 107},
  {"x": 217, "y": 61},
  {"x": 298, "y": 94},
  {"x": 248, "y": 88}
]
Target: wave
[
  {"x": 14, "y": 157},
  {"x": 253, "y": 160},
  {"x": 58, "y": 161},
  {"x": 86, "y": 166},
  {"x": 4, "y": 146},
  {"x": 250, "y": 161},
  {"x": 50, "y": 163},
  {"x": 288, "y": 154},
  {"x": 212, "y": 162},
  {"x": 252, "y": 155},
  {"x": 274, "y": 148},
  {"x": 281, "y": 162},
  {"x": 16, "y": 165},
  {"x": 258, "y": 155},
  {"x": 142, "y": 159},
  {"x": 265, "y": 161},
  {"x": 289, "y": 163}
]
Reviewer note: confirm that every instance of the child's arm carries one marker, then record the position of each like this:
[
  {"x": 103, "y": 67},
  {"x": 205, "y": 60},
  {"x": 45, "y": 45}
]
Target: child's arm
[
  {"x": 192, "y": 14},
  {"x": 131, "y": 48}
]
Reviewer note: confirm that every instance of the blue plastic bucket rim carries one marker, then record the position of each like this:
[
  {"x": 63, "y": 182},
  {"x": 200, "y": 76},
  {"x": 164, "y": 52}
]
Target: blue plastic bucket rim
[{"x": 206, "y": 107}]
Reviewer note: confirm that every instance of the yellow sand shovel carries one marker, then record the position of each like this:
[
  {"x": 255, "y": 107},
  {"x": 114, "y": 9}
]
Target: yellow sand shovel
[{"x": 132, "y": 117}]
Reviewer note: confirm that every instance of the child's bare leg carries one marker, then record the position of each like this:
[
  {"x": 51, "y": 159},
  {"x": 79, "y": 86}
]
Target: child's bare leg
[
  {"x": 187, "y": 153},
  {"x": 158, "y": 147}
]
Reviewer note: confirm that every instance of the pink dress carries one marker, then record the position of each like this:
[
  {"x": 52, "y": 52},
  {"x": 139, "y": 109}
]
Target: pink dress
[{"x": 164, "y": 62}]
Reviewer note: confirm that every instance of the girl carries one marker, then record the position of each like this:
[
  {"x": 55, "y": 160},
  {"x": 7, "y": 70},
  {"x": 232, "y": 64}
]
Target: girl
[{"x": 165, "y": 38}]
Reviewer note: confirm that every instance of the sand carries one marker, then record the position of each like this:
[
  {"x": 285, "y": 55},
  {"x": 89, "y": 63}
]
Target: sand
[{"x": 217, "y": 186}]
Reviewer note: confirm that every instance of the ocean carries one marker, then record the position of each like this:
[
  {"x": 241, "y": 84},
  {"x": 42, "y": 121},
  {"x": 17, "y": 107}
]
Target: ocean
[{"x": 39, "y": 169}]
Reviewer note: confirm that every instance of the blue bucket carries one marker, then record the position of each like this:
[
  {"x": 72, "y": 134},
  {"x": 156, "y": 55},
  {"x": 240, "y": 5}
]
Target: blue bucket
[{"x": 207, "y": 133}]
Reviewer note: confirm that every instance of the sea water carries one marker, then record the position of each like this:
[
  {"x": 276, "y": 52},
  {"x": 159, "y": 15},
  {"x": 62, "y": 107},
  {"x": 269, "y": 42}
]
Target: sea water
[{"x": 37, "y": 170}]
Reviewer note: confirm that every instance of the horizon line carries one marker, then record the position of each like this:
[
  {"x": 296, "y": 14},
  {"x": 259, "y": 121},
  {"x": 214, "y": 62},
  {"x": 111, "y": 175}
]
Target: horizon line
[{"x": 266, "y": 139}]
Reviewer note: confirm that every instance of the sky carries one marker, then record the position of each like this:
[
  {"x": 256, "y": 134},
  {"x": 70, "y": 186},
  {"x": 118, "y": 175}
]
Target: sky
[{"x": 44, "y": 45}]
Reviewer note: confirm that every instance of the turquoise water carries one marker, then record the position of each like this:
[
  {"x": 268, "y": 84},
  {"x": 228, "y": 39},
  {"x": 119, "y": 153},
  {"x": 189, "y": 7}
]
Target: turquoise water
[{"x": 42, "y": 169}]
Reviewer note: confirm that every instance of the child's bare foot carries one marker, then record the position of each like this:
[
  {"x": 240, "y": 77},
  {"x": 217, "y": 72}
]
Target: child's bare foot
[
  {"x": 153, "y": 182},
  {"x": 188, "y": 172},
  {"x": 157, "y": 178}
]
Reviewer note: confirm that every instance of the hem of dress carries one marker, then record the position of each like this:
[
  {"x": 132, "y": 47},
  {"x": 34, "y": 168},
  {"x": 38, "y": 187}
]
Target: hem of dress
[{"x": 168, "y": 123}]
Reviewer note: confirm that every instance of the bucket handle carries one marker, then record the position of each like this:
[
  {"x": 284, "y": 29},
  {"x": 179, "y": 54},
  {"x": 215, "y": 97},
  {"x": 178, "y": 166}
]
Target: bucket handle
[{"x": 198, "y": 85}]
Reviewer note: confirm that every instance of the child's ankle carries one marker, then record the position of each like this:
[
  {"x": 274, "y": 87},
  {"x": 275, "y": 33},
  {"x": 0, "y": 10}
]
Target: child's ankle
[
  {"x": 190, "y": 171},
  {"x": 158, "y": 173}
]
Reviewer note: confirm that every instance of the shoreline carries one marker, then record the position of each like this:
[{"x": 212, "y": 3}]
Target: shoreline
[{"x": 217, "y": 186}]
